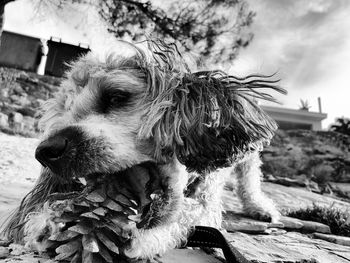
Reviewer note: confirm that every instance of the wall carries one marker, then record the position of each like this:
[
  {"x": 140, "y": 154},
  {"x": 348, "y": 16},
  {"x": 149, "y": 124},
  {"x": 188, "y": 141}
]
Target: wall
[
  {"x": 20, "y": 51},
  {"x": 296, "y": 119}
]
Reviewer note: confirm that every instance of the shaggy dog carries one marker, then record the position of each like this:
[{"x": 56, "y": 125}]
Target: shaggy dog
[{"x": 174, "y": 133}]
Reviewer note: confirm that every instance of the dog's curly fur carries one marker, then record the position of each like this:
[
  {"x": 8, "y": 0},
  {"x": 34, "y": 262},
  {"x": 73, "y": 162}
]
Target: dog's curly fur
[{"x": 198, "y": 128}]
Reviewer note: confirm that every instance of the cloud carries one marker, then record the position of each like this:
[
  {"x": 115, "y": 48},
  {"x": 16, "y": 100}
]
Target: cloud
[
  {"x": 308, "y": 43},
  {"x": 299, "y": 33}
]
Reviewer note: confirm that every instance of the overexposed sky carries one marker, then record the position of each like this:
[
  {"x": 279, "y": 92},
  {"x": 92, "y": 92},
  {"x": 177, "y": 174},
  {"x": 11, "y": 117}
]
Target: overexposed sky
[{"x": 307, "y": 42}]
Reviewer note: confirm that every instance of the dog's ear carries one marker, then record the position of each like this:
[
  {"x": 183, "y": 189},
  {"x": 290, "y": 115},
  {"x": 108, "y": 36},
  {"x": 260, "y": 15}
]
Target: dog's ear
[{"x": 208, "y": 118}]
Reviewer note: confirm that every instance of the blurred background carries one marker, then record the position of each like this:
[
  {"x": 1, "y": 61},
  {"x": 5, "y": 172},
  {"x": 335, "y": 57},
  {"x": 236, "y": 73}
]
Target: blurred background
[{"x": 306, "y": 43}]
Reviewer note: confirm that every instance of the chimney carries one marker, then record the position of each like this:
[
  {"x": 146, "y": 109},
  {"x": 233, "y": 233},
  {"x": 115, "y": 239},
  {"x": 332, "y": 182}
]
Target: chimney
[{"x": 319, "y": 105}]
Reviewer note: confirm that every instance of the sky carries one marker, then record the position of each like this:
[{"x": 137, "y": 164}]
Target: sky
[{"x": 307, "y": 42}]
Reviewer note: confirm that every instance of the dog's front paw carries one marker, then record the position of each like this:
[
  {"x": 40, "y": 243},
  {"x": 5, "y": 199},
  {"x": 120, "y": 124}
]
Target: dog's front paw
[
  {"x": 261, "y": 215},
  {"x": 263, "y": 210}
]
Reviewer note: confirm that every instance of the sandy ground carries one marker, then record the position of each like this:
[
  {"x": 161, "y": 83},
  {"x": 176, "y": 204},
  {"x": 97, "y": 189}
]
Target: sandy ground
[
  {"x": 18, "y": 170},
  {"x": 17, "y": 162}
]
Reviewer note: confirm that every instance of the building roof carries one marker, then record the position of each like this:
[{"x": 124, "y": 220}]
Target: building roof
[{"x": 294, "y": 113}]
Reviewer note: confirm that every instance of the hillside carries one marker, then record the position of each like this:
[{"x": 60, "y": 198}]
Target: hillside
[{"x": 21, "y": 95}]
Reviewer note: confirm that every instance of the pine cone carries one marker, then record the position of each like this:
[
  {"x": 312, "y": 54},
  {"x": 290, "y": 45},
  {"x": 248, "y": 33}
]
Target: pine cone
[{"x": 98, "y": 222}]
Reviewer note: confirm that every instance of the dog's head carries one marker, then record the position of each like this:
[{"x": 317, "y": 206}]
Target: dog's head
[{"x": 137, "y": 117}]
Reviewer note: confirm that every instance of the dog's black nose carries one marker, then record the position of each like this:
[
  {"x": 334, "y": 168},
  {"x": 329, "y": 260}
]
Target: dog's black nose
[
  {"x": 51, "y": 150},
  {"x": 60, "y": 148}
]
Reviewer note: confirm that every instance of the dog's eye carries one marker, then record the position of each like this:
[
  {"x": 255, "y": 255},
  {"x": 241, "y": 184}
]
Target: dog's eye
[
  {"x": 119, "y": 98},
  {"x": 114, "y": 100}
]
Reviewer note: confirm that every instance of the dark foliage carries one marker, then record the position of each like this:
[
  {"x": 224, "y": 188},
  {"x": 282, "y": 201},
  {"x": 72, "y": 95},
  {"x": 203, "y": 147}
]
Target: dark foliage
[
  {"x": 213, "y": 29},
  {"x": 336, "y": 219},
  {"x": 342, "y": 125}
]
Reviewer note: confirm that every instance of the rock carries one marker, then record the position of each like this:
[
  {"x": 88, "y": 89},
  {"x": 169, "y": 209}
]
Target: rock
[
  {"x": 23, "y": 101},
  {"x": 313, "y": 187},
  {"x": 3, "y": 120},
  {"x": 275, "y": 231},
  {"x": 28, "y": 124},
  {"x": 14, "y": 99},
  {"x": 4, "y": 93},
  {"x": 38, "y": 103},
  {"x": 345, "y": 241},
  {"x": 247, "y": 227},
  {"x": 23, "y": 75},
  {"x": 310, "y": 226},
  {"x": 4, "y": 252},
  {"x": 18, "y": 90},
  {"x": 238, "y": 221},
  {"x": 291, "y": 182},
  {"x": 16, "y": 121},
  {"x": 17, "y": 117},
  {"x": 187, "y": 255},
  {"x": 275, "y": 225},
  {"x": 291, "y": 223},
  {"x": 290, "y": 247}
]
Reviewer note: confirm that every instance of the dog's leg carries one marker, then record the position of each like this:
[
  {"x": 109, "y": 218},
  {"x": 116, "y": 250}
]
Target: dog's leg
[
  {"x": 254, "y": 201},
  {"x": 147, "y": 243},
  {"x": 202, "y": 207},
  {"x": 207, "y": 193}
]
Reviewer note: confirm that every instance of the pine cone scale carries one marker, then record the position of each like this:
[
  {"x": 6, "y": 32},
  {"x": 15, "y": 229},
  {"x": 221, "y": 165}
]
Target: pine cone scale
[{"x": 97, "y": 222}]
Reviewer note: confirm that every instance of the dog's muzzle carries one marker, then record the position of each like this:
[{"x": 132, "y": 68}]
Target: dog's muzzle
[
  {"x": 71, "y": 155},
  {"x": 51, "y": 152}
]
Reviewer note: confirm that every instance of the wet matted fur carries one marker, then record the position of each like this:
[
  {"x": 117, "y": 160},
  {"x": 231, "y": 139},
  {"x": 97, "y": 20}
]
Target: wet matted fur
[{"x": 196, "y": 128}]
